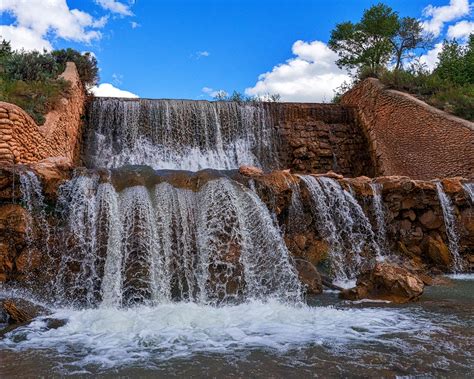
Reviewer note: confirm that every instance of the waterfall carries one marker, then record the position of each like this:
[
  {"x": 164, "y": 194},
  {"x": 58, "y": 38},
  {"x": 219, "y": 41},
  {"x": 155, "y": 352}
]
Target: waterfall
[
  {"x": 180, "y": 134},
  {"x": 469, "y": 189},
  {"x": 450, "y": 225},
  {"x": 379, "y": 213},
  {"x": 160, "y": 244},
  {"x": 341, "y": 221},
  {"x": 37, "y": 227}
]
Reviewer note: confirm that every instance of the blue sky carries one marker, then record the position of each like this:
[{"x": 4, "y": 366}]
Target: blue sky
[{"x": 191, "y": 48}]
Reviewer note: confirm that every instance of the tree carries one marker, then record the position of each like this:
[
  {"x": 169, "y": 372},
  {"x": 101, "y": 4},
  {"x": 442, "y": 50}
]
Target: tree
[
  {"x": 86, "y": 64},
  {"x": 366, "y": 44},
  {"x": 456, "y": 62},
  {"x": 409, "y": 36}
]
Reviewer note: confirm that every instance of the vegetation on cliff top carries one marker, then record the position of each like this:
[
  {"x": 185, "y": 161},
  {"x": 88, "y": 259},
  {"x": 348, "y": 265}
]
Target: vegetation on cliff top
[
  {"x": 380, "y": 44},
  {"x": 30, "y": 79}
]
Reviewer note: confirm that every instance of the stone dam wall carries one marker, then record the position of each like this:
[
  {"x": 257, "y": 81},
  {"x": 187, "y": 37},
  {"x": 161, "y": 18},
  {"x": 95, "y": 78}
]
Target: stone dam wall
[
  {"x": 409, "y": 137},
  {"x": 22, "y": 141},
  {"x": 317, "y": 138}
]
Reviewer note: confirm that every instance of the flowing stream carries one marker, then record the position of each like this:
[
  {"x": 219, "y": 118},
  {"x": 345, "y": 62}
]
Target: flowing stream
[
  {"x": 343, "y": 224},
  {"x": 381, "y": 235},
  {"x": 451, "y": 227},
  {"x": 469, "y": 188}
]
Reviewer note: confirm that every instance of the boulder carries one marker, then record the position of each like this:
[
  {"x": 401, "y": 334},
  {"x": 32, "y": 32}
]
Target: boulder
[
  {"x": 431, "y": 220},
  {"x": 386, "y": 282},
  {"x": 437, "y": 251},
  {"x": 309, "y": 276},
  {"x": 317, "y": 251},
  {"x": 29, "y": 259},
  {"x": 21, "y": 311},
  {"x": 52, "y": 171},
  {"x": 452, "y": 185},
  {"x": 250, "y": 171},
  {"x": 13, "y": 218}
]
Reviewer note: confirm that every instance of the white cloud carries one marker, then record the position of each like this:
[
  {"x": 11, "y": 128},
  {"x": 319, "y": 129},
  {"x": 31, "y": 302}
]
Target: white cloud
[
  {"x": 134, "y": 24},
  {"x": 200, "y": 54},
  {"x": 312, "y": 76},
  {"x": 108, "y": 90},
  {"x": 438, "y": 16},
  {"x": 21, "y": 37},
  {"x": 35, "y": 20},
  {"x": 115, "y": 7},
  {"x": 461, "y": 30},
  {"x": 430, "y": 59},
  {"x": 214, "y": 93}
]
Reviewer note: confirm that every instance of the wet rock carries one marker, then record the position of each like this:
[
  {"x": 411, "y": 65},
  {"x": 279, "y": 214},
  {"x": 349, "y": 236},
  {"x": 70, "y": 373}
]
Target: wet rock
[
  {"x": 438, "y": 251},
  {"x": 409, "y": 214},
  {"x": 55, "y": 323},
  {"x": 330, "y": 174},
  {"x": 431, "y": 220},
  {"x": 317, "y": 251},
  {"x": 452, "y": 185},
  {"x": 29, "y": 259},
  {"x": 309, "y": 276},
  {"x": 52, "y": 172},
  {"x": 6, "y": 261},
  {"x": 250, "y": 171},
  {"x": 20, "y": 311},
  {"x": 386, "y": 282},
  {"x": 13, "y": 217}
]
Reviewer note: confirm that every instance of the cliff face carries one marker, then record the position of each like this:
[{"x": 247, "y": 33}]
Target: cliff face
[
  {"x": 409, "y": 137},
  {"x": 22, "y": 141}
]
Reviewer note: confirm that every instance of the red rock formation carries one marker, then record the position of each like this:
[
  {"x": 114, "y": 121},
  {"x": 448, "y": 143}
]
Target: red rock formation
[
  {"x": 409, "y": 137},
  {"x": 386, "y": 282}
]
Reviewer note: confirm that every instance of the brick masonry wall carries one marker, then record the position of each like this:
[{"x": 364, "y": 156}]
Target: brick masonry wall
[
  {"x": 409, "y": 137},
  {"x": 22, "y": 141},
  {"x": 316, "y": 138}
]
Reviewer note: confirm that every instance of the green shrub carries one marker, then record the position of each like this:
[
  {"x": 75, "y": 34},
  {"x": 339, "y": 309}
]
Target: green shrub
[
  {"x": 86, "y": 64},
  {"x": 30, "y": 80},
  {"x": 30, "y": 66},
  {"x": 456, "y": 100},
  {"x": 36, "y": 97}
]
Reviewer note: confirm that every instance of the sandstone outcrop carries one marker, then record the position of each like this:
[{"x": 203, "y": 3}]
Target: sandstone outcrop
[
  {"x": 386, "y": 282},
  {"x": 309, "y": 276},
  {"x": 22, "y": 141},
  {"x": 409, "y": 137}
]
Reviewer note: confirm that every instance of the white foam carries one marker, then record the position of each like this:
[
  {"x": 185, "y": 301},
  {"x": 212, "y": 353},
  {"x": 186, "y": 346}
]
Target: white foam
[
  {"x": 461, "y": 276},
  {"x": 346, "y": 284},
  {"x": 109, "y": 337}
]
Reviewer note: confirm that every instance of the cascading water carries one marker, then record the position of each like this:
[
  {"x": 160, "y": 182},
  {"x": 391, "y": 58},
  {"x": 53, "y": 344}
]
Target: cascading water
[
  {"x": 180, "y": 134},
  {"x": 451, "y": 228},
  {"x": 381, "y": 235},
  {"x": 37, "y": 227},
  {"x": 469, "y": 189},
  {"x": 155, "y": 245},
  {"x": 341, "y": 221}
]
